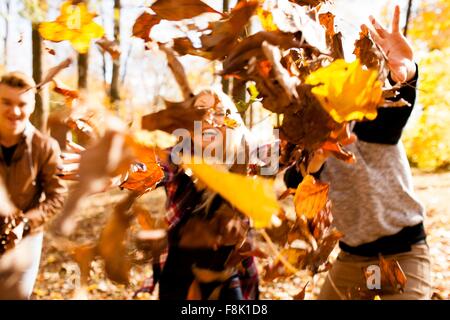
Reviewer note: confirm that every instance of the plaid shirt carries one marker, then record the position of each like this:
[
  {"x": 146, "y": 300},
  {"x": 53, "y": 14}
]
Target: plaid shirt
[{"x": 182, "y": 198}]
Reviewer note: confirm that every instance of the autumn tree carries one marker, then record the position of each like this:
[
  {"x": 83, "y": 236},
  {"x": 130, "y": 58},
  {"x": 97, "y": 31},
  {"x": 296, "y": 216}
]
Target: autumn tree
[
  {"x": 114, "y": 92},
  {"x": 427, "y": 141},
  {"x": 36, "y": 11}
]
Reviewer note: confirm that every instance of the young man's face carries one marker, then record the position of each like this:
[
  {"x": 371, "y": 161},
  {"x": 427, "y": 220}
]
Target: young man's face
[{"x": 16, "y": 107}]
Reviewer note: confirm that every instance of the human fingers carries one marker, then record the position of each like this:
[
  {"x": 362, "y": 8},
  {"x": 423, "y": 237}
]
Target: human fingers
[
  {"x": 382, "y": 32},
  {"x": 74, "y": 147},
  {"x": 396, "y": 20},
  {"x": 70, "y": 157}
]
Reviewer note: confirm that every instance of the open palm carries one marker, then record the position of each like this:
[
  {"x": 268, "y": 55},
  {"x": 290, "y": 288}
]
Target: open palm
[{"x": 396, "y": 48}]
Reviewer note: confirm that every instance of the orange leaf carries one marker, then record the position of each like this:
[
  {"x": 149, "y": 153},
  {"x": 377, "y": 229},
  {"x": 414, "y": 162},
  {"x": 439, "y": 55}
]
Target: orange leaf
[
  {"x": 392, "y": 272},
  {"x": 327, "y": 20},
  {"x": 264, "y": 67},
  {"x": 145, "y": 172},
  {"x": 311, "y": 197},
  {"x": 181, "y": 9},
  {"x": 109, "y": 46},
  {"x": 111, "y": 245},
  {"x": 144, "y": 24},
  {"x": 83, "y": 256},
  {"x": 64, "y": 90}
]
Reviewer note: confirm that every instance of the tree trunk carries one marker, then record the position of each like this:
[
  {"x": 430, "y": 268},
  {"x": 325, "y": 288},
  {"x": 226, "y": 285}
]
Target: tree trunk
[
  {"x": 83, "y": 60},
  {"x": 115, "y": 94},
  {"x": 41, "y": 111},
  {"x": 225, "y": 82},
  {"x": 408, "y": 15},
  {"x": 6, "y": 35}
]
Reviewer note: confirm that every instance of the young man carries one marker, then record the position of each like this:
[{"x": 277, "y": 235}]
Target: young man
[
  {"x": 28, "y": 161},
  {"x": 373, "y": 200}
]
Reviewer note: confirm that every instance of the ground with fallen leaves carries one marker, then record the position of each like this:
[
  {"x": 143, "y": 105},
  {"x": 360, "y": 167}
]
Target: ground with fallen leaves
[{"x": 59, "y": 275}]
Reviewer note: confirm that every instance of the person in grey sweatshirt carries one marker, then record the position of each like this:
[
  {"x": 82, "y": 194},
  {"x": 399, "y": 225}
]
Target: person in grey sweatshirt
[{"x": 373, "y": 201}]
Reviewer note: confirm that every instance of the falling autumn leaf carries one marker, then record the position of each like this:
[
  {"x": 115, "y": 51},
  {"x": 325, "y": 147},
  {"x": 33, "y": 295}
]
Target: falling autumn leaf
[
  {"x": 392, "y": 273},
  {"x": 52, "y": 72},
  {"x": 180, "y": 9},
  {"x": 111, "y": 245},
  {"x": 50, "y": 51},
  {"x": 225, "y": 33},
  {"x": 145, "y": 172},
  {"x": 301, "y": 294},
  {"x": 347, "y": 91},
  {"x": 75, "y": 24},
  {"x": 63, "y": 89},
  {"x": 311, "y": 197},
  {"x": 367, "y": 51},
  {"x": 83, "y": 256},
  {"x": 327, "y": 21},
  {"x": 178, "y": 71},
  {"x": 109, "y": 46},
  {"x": 144, "y": 24},
  {"x": 256, "y": 197}
]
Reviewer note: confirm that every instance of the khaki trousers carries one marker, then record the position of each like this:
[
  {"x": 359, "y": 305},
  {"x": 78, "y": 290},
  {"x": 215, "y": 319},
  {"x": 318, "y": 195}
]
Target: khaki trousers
[
  {"x": 19, "y": 268},
  {"x": 346, "y": 276}
]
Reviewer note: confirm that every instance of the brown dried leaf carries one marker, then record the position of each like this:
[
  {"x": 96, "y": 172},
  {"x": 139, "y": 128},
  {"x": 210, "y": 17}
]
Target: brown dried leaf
[
  {"x": 107, "y": 158},
  {"x": 112, "y": 47},
  {"x": 111, "y": 245},
  {"x": 145, "y": 172},
  {"x": 184, "y": 46},
  {"x": 392, "y": 272},
  {"x": 301, "y": 294},
  {"x": 144, "y": 24},
  {"x": 325, "y": 247},
  {"x": 181, "y": 114},
  {"x": 307, "y": 124},
  {"x": 63, "y": 89},
  {"x": 225, "y": 33},
  {"x": 178, "y": 71},
  {"x": 311, "y": 197},
  {"x": 52, "y": 72},
  {"x": 327, "y": 20},
  {"x": 180, "y": 9},
  {"x": 367, "y": 51},
  {"x": 83, "y": 256}
]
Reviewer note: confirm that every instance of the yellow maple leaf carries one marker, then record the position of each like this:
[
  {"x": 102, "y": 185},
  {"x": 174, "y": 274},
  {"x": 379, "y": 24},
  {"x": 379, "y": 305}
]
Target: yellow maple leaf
[
  {"x": 75, "y": 24},
  {"x": 310, "y": 197},
  {"x": 253, "y": 196},
  {"x": 346, "y": 90}
]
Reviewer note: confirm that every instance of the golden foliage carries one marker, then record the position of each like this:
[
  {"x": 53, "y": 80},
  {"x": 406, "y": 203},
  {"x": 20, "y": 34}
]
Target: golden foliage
[
  {"x": 347, "y": 91},
  {"x": 427, "y": 141},
  {"x": 75, "y": 24},
  {"x": 431, "y": 24},
  {"x": 255, "y": 197}
]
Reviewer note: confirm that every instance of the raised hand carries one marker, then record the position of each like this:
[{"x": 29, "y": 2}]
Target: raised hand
[{"x": 395, "y": 46}]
